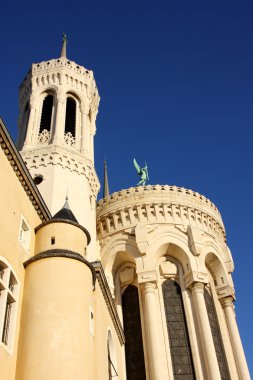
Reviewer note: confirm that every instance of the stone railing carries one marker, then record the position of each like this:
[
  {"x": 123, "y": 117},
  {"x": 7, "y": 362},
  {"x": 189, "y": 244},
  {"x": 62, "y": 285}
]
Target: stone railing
[
  {"x": 157, "y": 204},
  {"x": 61, "y": 62},
  {"x": 56, "y": 72},
  {"x": 44, "y": 137}
]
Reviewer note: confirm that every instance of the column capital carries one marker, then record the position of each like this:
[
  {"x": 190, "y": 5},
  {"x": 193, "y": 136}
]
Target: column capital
[
  {"x": 227, "y": 302},
  {"x": 192, "y": 277},
  {"x": 225, "y": 291},
  {"x": 197, "y": 287},
  {"x": 148, "y": 287},
  {"x": 147, "y": 276}
]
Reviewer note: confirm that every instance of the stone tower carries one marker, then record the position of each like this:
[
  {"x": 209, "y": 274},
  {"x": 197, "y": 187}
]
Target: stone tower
[
  {"x": 58, "y": 104},
  {"x": 163, "y": 305},
  {"x": 164, "y": 252}
]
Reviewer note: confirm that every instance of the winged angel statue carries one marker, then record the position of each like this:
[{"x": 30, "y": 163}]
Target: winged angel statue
[{"x": 142, "y": 172}]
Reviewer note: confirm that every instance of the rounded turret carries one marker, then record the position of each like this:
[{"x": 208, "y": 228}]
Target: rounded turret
[{"x": 56, "y": 323}]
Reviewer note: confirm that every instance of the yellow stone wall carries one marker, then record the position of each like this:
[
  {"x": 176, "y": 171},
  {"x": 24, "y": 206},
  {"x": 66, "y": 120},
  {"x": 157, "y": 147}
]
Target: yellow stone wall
[{"x": 14, "y": 205}]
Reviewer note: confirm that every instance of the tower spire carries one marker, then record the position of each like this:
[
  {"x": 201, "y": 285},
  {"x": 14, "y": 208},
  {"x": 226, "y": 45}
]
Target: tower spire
[
  {"x": 64, "y": 45},
  {"x": 106, "y": 191}
]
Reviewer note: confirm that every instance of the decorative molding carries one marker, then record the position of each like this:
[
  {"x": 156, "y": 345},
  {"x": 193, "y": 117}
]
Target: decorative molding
[
  {"x": 192, "y": 278},
  {"x": 65, "y": 253},
  {"x": 70, "y": 140},
  {"x": 109, "y": 300},
  {"x": 44, "y": 137},
  {"x": 55, "y": 155},
  {"x": 57, "y": 72},
  {"x": 22, "y": 173},
  {"x": 158, "y": 205},
  {"x": 225, "y": 291},
  {"x": 147, "y": 276},
  {"x": 65, "y": 221}
]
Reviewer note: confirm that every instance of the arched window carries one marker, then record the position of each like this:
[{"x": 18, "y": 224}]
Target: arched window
[
  {"x": 70, "y": 120},
  {"x": 135, "y": 365},
  {"x": 46, "y": 114},
  {"x": 177, "y": 331},
  {"x": 8, "y": 286},
  {"x": 217, "y": 340}
]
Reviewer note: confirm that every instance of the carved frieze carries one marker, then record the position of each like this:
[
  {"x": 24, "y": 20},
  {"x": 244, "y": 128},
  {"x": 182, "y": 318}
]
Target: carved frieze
[
  {"x": 51, "y": 155},
  {"x": 144, "y": 206}
]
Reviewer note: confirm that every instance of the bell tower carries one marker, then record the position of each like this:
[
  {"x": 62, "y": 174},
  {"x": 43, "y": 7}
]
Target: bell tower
[{"x": 58, "y": 105}]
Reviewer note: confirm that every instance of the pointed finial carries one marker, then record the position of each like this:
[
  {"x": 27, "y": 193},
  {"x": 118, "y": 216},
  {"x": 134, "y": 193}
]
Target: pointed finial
[
  {"x": 66, "y": 204},
  {"x": 106, "y": 192},
  {"x": 64, "y": 46}
]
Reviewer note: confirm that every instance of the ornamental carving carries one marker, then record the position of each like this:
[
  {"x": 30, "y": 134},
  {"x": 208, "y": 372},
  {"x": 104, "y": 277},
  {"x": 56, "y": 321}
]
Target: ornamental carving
[
  {"x": 44, "y": 137},
  {"x": 51, "y": 155},
  {"x": 158, "y": 204},
  {"x": 70, "y": 140}
]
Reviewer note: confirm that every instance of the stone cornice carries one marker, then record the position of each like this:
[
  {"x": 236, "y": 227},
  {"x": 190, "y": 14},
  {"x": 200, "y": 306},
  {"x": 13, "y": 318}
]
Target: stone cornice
[
  {"x": 55, "y": 155},
  {"x": 158, "y": 204},
  {"x": 22, "y": 173},
  {"x": 63, "y": 253},
  {"x": 109, "y": 300},
  {"x": 57, "y": 72}
]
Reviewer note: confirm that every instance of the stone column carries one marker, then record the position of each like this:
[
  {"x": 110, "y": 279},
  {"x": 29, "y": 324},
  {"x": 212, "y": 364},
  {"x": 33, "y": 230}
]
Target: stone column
[
  {"x": 84, "y": 131},
  {"x": 153, "y": 343},
  {"x": 205, "y": 333},
  {"x": 30, "y": 126},
  {"x": 241, "y": 364},
  {"x": 58, "y": 137}
]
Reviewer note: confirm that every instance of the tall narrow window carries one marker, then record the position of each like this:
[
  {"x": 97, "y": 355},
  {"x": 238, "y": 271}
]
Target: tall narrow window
[
  {"x": 70, "y": 121},
  {"x": 24, "y": 234},
  {"x": 7, "y": 320},
  {"x": 177, "y": 330},
  {"x": 46, "y": 114},
  {"x": 112, "y": 367},
  {"x": 135, "y": 365},
  {"x": 217, "y": 340},
  {"x": 8, "y": 293}
]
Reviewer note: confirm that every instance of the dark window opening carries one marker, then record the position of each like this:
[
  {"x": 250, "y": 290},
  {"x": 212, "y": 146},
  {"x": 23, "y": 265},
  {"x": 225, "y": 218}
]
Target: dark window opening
[
  {"x": 11, "y": 284},
  {"x": 180, "y": 349},
  {"x": 7, "y": 319},
  {"x": 38, "y": 179},
  {"x": 217, "y": 340},
  {"x": 70, "y": 121},
  {"x": 135, "y": 364},
  {"x": 1, "y": 272},
  {"x": 52, "y": 240},
  {"x": 46, "y": 114}
]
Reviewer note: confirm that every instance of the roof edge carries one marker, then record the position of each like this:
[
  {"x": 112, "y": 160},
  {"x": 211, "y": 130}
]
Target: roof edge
[{"x": 21, "y": 171}]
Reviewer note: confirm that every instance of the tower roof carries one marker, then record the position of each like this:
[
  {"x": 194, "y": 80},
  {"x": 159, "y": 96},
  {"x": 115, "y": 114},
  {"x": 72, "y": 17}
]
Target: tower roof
[{"x": 65, "y": 213}]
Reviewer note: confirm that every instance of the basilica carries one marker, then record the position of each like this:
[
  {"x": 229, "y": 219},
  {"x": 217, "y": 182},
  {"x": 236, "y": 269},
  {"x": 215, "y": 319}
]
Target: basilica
[{"x": 135, "y": 286}]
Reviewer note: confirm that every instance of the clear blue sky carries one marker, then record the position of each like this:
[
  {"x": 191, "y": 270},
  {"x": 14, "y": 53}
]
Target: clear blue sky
[{"x": 176, "y": 86}]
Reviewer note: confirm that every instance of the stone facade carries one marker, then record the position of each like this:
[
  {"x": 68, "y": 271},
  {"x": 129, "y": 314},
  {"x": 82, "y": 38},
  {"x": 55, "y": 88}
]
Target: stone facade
[
  {"x": 153, "y": 234},
  {"x": 137, "y": 286},
  {"x": 62, "y": 157}
]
